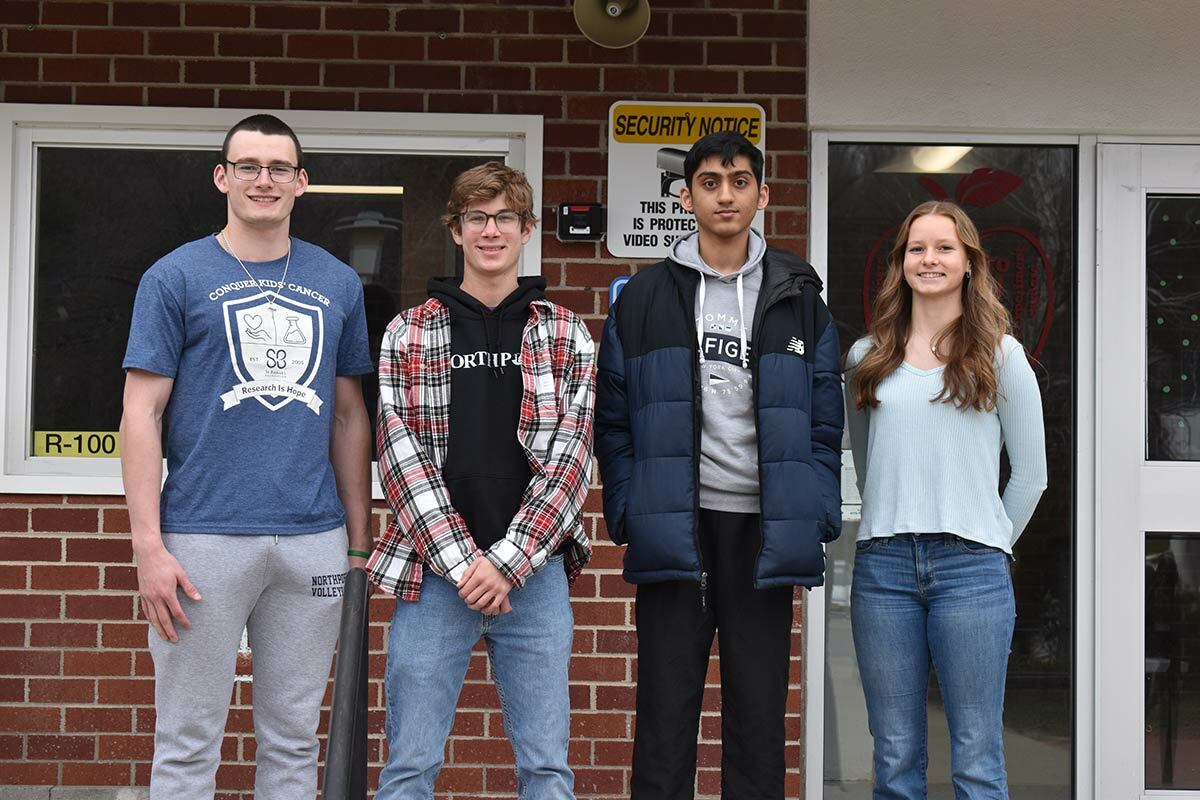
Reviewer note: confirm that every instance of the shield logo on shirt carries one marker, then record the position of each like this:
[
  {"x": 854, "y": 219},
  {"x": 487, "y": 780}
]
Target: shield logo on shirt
[{"x": 274, "y": 346}]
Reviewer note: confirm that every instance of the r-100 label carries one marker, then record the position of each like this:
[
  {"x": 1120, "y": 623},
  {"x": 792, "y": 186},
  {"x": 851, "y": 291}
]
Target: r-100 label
[{"x": 76, "y": 444}]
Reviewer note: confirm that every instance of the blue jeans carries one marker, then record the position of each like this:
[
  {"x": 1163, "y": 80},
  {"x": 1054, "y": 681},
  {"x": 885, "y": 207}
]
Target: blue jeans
[
  {"x": 939, "y": 597},
  {"x": 429, "y": 648}
]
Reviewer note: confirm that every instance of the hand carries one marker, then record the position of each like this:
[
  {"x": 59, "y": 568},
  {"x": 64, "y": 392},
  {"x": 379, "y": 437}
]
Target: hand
[
  {"x": 484, "y": 589},
  {"x": 159, "y": 577}
]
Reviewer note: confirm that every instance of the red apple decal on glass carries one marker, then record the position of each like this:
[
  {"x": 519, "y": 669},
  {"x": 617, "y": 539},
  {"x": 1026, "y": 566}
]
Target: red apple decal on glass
[{"x": 1019, "y": 261}]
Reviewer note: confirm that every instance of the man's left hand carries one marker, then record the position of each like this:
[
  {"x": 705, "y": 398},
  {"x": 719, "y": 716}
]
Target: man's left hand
[{"x": 483, "y": 588}]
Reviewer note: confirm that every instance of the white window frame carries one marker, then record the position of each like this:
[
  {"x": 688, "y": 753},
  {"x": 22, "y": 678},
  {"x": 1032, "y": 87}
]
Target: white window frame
[
  {"x": 1085, "y": 431},
  {"x": 515, "y": 139}
]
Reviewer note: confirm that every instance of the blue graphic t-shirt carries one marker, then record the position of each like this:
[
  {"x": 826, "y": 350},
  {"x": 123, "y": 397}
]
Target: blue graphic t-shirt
[{"x": 251, "y": 409}]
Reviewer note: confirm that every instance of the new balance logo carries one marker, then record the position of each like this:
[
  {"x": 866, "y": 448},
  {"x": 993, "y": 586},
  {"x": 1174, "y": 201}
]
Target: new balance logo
[{"x": 796, "y": 346}]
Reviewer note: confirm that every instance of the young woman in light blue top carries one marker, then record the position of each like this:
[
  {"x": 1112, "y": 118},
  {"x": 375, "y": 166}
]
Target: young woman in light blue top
[{"x": 932, "y": 395}]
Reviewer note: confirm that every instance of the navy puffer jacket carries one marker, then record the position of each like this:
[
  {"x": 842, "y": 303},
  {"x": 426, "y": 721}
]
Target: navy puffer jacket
[{"x": 648, "y": 423}]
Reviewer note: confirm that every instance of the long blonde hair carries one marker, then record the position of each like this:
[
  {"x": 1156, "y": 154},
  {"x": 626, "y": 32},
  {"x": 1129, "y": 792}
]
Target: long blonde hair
[{"x": 969, "y": 379}]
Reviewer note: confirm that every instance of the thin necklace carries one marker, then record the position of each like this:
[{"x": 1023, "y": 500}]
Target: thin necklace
[{"x": 257, "y": 282}]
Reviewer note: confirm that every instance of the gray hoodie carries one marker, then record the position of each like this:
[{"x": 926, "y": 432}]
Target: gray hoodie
[{"x": 724, "y": 321}]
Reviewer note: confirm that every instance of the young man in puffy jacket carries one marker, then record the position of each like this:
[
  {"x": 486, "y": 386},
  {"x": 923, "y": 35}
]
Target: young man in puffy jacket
[{"x": 718, "y": 430}]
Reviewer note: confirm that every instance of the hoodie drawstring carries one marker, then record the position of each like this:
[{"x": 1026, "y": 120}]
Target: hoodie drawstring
[
  {"x": 742, "y": 321},
  {"x": 700, "y": 320}
]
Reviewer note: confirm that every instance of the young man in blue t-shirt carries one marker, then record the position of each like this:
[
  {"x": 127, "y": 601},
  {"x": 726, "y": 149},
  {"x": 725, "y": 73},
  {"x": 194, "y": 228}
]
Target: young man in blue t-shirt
[{"x": 250, "y": 344}]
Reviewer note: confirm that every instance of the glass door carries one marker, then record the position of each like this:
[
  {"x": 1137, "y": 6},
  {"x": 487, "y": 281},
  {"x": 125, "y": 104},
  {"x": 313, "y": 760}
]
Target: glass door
[{"x": 1148, "y": 473}]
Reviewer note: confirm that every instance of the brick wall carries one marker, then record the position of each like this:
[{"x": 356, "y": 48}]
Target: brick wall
[{"x": 76, "y": 701}]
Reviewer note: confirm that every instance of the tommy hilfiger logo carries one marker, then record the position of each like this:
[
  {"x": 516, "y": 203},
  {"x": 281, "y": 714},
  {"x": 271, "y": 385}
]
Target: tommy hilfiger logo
[{"x": 796, "y": 346}]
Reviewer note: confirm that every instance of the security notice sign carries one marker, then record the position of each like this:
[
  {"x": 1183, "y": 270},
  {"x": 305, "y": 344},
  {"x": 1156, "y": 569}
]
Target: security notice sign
[{"x": 646, "y": 146}]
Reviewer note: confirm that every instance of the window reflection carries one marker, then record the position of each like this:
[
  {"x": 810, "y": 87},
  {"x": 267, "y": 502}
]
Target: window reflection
[
  {"x": 88, "y": 264},
  {"x": 1172, "y": 328},
  {"x": 1023, "y": 200},
  {"x": 1172, "y": 661}
]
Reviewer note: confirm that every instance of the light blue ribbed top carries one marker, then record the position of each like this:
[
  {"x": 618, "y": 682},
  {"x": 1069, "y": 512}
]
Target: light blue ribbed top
[{"x": 930, "y": 467}]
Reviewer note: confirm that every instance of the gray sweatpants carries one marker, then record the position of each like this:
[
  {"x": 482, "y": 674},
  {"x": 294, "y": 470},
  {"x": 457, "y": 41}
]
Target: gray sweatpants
[{"x": 286, "y": 591}]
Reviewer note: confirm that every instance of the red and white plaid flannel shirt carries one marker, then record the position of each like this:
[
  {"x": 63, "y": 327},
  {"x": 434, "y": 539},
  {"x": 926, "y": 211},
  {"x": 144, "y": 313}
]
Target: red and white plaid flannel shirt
[{"x": 558, "y": 370}]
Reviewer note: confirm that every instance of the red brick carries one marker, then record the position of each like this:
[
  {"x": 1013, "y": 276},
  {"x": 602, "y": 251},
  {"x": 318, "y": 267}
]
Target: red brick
[
  {"x": 786, "y": 81},
  {"x": 12, "y": 634},
  {"x": 62, "y": 634},
  {"x": 427, "y": 77},
  {"x": 390, "y": 101},
  {"x": 250, "y": 45},
  {"x": 34, "y": 606},
  {"x": 589, "y": 780},
  {"x": 431, "y": 20},
  {"x": 68, "y": 70},
  {"x": 126, "y": 748},
  {"x": 145, "y": 70},
  {"x": 36, "y": 93},
  {"x": 572, "y": 134},
  {"x": 790, "y": 54},
  {"x": 634, "y": 79},
  {"x": 547, "y": 105},
  {"x": 234, "y": 73},
  {"x": 322, "y": 101},
  {"x": 111, "y": 549},
  {"x": 99, "y": 606},
  {"x": 459, "y": 48},
  {"x": 581, "y": 107},
  {"x": 30, "y": 662},
  {"x": 502, "y": 78},
  {"x": 60, "y": 691},
  {"x": 127, "y": 635},
  {"x": 110, "y": 42},
  {"x": 39, "y": 40},
  {"x": 105, "y": 720},
  {"x": 63, "y": 576},
  {"x": 250, "y": 98},
  {"x": 358, "y": 75},
  {"x": 617, "y": 698},
  {"x": 147, "y": 15},
  {"x": 76, "y": 14},
  {"x": 357, "y": 19},
  {"x": 666, "y": 51},
  {"x": 320, "y": 45},
  {"x": 598, "y": 668},
  {"x": 501, "y": 20},
  {"x": 13, "y": 576},
  {"x": 27, "y": 719},
  {"x": 96, "y": 662},
  {"x": 392, "y": 47},
  {"x": 85, "y": 520},
  {"x": 120, "y": 578},
  {"x": 13, "y": 12},
  {"x": 581, "y": 51},
  {"x": 703, "y": 25},
  {"x": 774, "y": 25},
  {"x": 289, "y": 18},
  {"x": 115, "y": 520},
  {"x": 213, "y": 15},
  {"x": 581, "y": 302},
  {"x": 31, "y": 774},
  {"x": 526, "y": 50},
  {"x": 286, "y": 73},
  {"x": 130, "y": 691},
  {"x": 93, "y": 774},
  {"x": 585, "y": 162},
  {"x": 600, "y": 613},
  {"x": 10, "y": 747},
  {"x": 181, "y": 43},
  {"x": 460, "y": 779},
  {"x": 566, "y": 79},
  {"x": 737, "y": 54},
  {"x": 178, "y": 96},
  {"x": 58, "y": 748}
]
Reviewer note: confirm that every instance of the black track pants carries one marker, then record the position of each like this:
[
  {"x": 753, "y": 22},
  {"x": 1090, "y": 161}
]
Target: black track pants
[{"x": 675, "y": 632}]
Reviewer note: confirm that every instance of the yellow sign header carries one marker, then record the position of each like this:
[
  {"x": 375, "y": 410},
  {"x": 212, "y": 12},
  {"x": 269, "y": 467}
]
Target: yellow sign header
[
  {"x": 635, "y": 123},
  {"x": 76, "y": 444}
]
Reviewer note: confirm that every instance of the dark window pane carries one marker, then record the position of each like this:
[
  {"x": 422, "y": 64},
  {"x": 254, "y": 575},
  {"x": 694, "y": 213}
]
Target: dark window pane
[
  {"x": 1023, "y": 200},
  {"x": 1172, "y": 328},
  {"x": 104, "y": 215},
  {"x": 1172, "y": 661}
]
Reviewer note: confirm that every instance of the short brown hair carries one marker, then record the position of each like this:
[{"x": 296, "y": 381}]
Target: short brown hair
[{"x": 482, "y": 183}]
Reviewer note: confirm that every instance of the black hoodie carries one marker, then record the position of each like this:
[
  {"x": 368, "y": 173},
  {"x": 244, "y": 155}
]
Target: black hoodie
[{"x": 486, "y": 469}]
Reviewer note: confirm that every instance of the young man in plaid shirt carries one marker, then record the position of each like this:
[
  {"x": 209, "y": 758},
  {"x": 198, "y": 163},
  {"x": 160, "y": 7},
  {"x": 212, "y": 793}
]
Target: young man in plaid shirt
[{"x": 487, "y": 494}]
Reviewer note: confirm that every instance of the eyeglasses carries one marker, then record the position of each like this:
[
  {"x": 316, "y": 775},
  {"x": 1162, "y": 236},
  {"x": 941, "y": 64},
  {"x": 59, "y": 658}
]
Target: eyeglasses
[
  {"x": 506, "y": 221},
  {"x": 249, "y": 171}
]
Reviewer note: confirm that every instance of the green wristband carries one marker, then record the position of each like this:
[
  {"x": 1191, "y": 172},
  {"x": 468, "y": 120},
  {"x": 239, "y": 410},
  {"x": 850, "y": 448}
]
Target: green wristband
[{"x": 358, "y": 553}]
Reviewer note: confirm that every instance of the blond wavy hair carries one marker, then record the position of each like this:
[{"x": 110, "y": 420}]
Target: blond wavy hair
[{"x": 967, "y": 345}]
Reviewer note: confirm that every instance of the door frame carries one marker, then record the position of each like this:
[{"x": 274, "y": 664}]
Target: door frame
[
  {"x": 1128, "y": 170},
  {"x": 1086, "y": 428}
]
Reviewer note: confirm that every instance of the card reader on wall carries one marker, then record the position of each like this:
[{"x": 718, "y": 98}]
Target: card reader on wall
[{"x": 580, "y": 222}]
